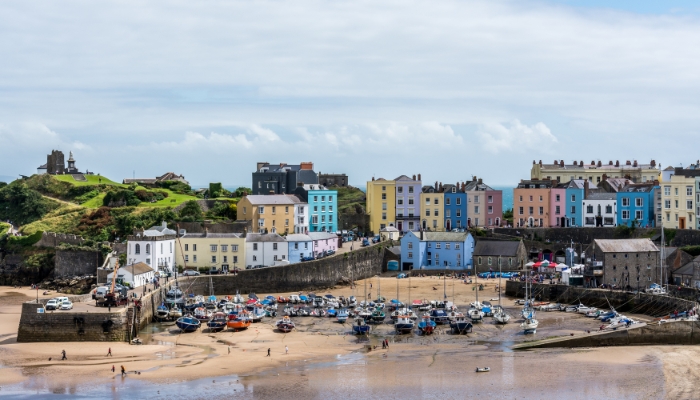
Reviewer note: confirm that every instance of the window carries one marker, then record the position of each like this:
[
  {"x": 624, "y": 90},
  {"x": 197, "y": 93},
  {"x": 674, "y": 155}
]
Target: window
[
  {"x": 520, "y": 198},
  {"x": 427, "y": 213},
  {"x": 667, "y": 190},
  {"x": 557, "y": 198},
  {"x": 137, "y": 248},
  {"x": 296, "y": 246},
  {"x": 625, "y": 214},
  {"x": 476, "y": 199},
  {"x": 489, "y": 260},
  {"x": 688, "y": 190},
  {"x": 194, "y": 258},
  {"x": 274, "y": 210},
  {"x": 589, "y": 209},
  {"x": 255, "y": 258},
  {"x": 520, "y": 210},
  {"x": 447, "y": 214},
  {"x": 427, "y": 201},
  {"x": 479, "y": 260},
  {"x": 667, "y": 204},
  {"x": 224, "y": 248},
  {"x": 437, "y": 201},
  {"x": 573, "y": 209},
  {"x": 639, "y": 215},
  {"x": 531, "y": 210},
  {"x": 447, "y": 201},
  {"x": 383, "y": 206},
  {"x": 573, "y": 197},
  {"x": 383, "y": 196},
  {"x": 187, "y": 258},
  {"x": 639, "y": 202},
  {"x": 261, "y": 210},
  {"x": 476, "y": 209},
  {"x": 410, "y": 254},
  {"x": 489, "y": 199},
  {"x": 384, "y": 216},
  {"x": 274, "y": 246},
  {"x": 530, "y": 198},
  {"x": 459, "y": 214},
  {"x": 625, "y": 201},
  {"x": 459, "y": 201},
  {"x": 330, "y": 198},
  {"x": 689, "y": 204},
  {"x": 557, "y": 210},
  {"x": 675, "y": 191},
  {"x": 399, "y": 201},
  {"x": 540, "y": 199},
  {"x": 541, "y": 210},
  {"x": 435, "y": 212},
  {"x": 213, "y": 247},
  {"x": 410, "y": 189},
  {"x": 676, "y": 203},
  {"x": 286, "y": 209},
  {"x": 399, "y": 189},
  {"x": 410, "y": 245},
  {"x": 275, "y": 258},
  {"x": 383, "y": 187},
  {"x": 255, "y": 246},
  {"x": 330, "y": 208},
  {"x": 410, "y": 201},
  {"x": 608, "y": 209},
  {"x": 447, "y": 246},
  {"x": 213, "y": 259},
  {"x": 148, "y": 249},
  {"x": 225, "y": 259}
]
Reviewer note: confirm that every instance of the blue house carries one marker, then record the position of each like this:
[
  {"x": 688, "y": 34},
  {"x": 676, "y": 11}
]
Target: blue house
[
  {"x": 300, "y": 245},
  {"x": 455, "y": 207},
  {"x": 437, "y": 250},
  {"x": 635, "y": 205},
  {"x": 323, "y": 207},
  {"x": 575, "y": 192}
]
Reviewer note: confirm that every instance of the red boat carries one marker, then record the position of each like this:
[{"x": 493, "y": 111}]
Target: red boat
[{"x": 282, "y": 299}]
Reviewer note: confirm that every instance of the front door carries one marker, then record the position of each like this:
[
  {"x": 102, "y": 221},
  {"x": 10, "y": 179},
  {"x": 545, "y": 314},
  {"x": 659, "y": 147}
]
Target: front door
[
  {"x": 399, "y": 226},
  {"x": 681, "y": 223}
]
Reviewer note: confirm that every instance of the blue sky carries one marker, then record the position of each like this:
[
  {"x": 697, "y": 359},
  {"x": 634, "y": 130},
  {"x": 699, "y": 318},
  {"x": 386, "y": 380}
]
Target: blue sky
[{"x": 447, "y": 89}]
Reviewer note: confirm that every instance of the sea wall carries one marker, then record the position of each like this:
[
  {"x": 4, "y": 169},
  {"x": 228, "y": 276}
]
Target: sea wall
[
  {"x": 63, "y": 326},
  {"x": 653, "y": 305},
  {"x": 76, "y": 262}
]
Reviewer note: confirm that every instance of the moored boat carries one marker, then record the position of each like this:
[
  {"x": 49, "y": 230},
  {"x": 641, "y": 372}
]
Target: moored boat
[
  {"x": 238, "y": 321},
  {"x": 285, "y": 324},
  {"x": 201, "y": 314},
  {"x": 175, "y": 312},
  {"x": 529, "y": 325},
  {"x": 426, "y": 325},
  {"x": 188, "y": 324},
  {"x": 217, "y": 322},
  {"x": 460, "y": 324},
  {"x": 162, "y": 312},
  {"x": 404, "y": 324},
  {"x": 360, "y": 327},
  {"x": 342, "y": 315}
]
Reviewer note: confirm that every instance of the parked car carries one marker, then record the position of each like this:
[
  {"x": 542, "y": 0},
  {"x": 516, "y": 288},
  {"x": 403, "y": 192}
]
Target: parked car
[
  {"x": 214, "y": 271},
  {"x": 308, "y": 258},
  {"x": 365, "y": 242},
  {"x": 51, "y": 304},
  {"x": 190, "y": 272},
  {"x": 376, "y": 239},
  {"x": 330, "y": 252},
  {"x": 66, "y": 305}
]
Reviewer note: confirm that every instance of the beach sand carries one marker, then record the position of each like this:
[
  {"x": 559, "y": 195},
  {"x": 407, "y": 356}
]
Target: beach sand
[{"x": 414, "y": 366}]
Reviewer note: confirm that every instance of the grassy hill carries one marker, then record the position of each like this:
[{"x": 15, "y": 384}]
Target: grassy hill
[{"x": 91, "y": 180}]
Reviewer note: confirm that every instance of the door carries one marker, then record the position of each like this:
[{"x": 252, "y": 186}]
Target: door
[
  {"x": 681, "y": 223},
  {"x": 400, "y": 226}
]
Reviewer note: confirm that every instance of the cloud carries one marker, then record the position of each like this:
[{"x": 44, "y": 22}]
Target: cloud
[{"x": 517, "y": 137}]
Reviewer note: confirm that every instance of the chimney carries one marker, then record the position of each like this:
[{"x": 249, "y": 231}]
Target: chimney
[
  {"x": 414, "y": 177},
  {"x": 480, "y": 181},
  {"x": 282, "y": 164},
  {"x": 372, "y": 178},
  {"x": 436, "y": 186},
  {"x": 635, "y": 163},
  {"x": 600, "y": 164},
  {"x": 580, "y": 163},
  {"x": 261, "y": 164},
  {"x": 533, "y": 162},
  {"x": 653, "y": 163},
  {"x": 617, "y": 163},
  {"x": 306, "y": 166},
  {"x": 421, "y": 234},
  {"x": 628, "y": 162},
  {"x": 656, "y": 182},
  {"x": 419, "y": 177},
  {"x": 610, "y": 163},
  {"x": 561, "y": 163},
  {"x": 575, "y": 163},
  {"x": 593, "y": 162},
  {"x": 556, "y": 162},
  {"x": 605, "y": 177},
  {"x": 540, "y": 163},
  {"x": 586, "y": 189}
]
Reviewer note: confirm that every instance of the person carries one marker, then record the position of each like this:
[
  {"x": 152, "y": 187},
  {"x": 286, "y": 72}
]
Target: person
[
  {"x": 123, "y": 371},
  {"x": 370, "y": 285},
  {"x": 268, "y": 352},
  {"x": 387, "y": 343},
  {"x": 63, "y": 354},
  {"x": 383, "y": 344},
  {"x": 229, "y": 349},
  {"x": 109, "y": 352},
  {"x": 286, "y": 350},
  {"x": 113, "y": 368}
]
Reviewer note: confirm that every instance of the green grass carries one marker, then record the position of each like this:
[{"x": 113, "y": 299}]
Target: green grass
[
  {"x": 91, "y": 180},
  {"x": 4, "y": 227},
  {"x": 64, "y": 219},
  {"x": 173, "y": 199},
  {"x": 95, "y": 202}
]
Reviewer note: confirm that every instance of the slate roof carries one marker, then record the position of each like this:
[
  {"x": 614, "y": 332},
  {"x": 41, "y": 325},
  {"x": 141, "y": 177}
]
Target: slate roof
[
  {"x": 476, "y": 186},
  {"x": 322, "y": 235},
  {"x": 264, "y": 237},
  {"x": 602, "y": 196},
  {"x": 505, "y": 248},
  {"x": 687, "y": 269},
  {"x": 637, "y": 188},
  {"x": 298, "y": 237},
  {"x": 389, "y": 229},
  {"x": 443, "y": 236},
  {"x": 273, "y": 199},
  {"x": 213, "y": 235},
  {"x": 625, "y": 245},
  {"x": 138, "y": 268}
]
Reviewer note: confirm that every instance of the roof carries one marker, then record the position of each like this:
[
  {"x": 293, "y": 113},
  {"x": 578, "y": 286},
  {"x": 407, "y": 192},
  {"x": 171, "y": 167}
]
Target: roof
[
  {"x": 535, "y": 183},
  {"x": 170, "y": 176},
  {"x": 506, "y": 248},
  {"x": 395, "y": 249},
  {"x": 687, "y": 269},
  {"x": 473, "y": 186},
  {"x": 443, "y": 236},
  {"x": 264, "y": 237},
  {"x": 43, "y": 166},
  {"x": 625, "y": 245},
  {"x": 273, "y": 199},
  {"x": 138, "y": 268},
  {"x": 212, "y": 235},
  {"x": 602, "y": 196},
  {"x": 389, "y": 229},
  {"x": 139, "y": 180},
  {"x": 159, "y": 230},
  {"x": 637, "y": 188},
  {"x": 406, "y": 178},
  {"x": 322, "y": 235},
  {"x": 298, "y": 237},
  {"x": 579, "y": 184},
  {"x": 314, "y": 186},
  {"x": 583, "y": 166}
]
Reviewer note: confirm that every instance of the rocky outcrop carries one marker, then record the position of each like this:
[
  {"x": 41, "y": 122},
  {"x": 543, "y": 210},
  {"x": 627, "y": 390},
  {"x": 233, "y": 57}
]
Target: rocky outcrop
[{"x": 70, "y": 285}]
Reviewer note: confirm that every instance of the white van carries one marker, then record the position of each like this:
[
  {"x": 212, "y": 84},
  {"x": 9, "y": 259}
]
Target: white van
[{"x": 100, "y": 292}]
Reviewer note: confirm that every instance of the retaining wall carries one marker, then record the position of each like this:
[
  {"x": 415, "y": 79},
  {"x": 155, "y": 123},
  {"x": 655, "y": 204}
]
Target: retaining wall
[{"x": 76, "y": 263}]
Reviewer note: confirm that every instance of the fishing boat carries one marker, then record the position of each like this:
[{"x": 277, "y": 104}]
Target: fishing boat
[
  {"x": 475, "y": 315},
  {"x": 439, "y": 316},
  {"x": 342, "y": 315},
  {"x": 360, "y": 327},
  {"x": 238, "y": 299},
  {"x": 175, "y": 312},
  {"x": 162, "y": 312},
  {"x": 188, "y": 324},
  {"x": 217, "y": 322},
  {"x": 238, "y": 322},
  {"x": 285, "y": 324},
  {"x": 331, "y": 312},
  {"x": 530, "y": 324},
  {"x": 500, "y": 314},
  {"x": 460, "y": 324},
  {"x": 363, "y": 313},
  {"x": 426, "y": 325},
  {"x": 257, "y": 314},
  {"x": 174, "y": 296},
  {"x": 404, "y": 324},
  {"x": 201, "y": 314},
  {"x": 483, "y": 369},
  {"x": 378, "y": 315}
]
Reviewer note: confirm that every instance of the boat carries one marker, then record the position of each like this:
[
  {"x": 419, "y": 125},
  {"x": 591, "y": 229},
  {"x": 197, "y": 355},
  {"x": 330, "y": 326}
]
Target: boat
[
  {"x": 363, "y": 313},
  {"x": 217, "y": 322},
  {"x": 500, "y": 314},
  {"x": 483, "y": 369},
  {"x": 404, "y": 324},
  {"x": 439, "y": 316},
  {"x": 571, "y": 308},
  {"x": 331, "y": 312},
  {"x": 501, "y": 317},
  {"x": 175, "y": 312},
  {"x": 426, "y": 325},
  {"x": 174, "y": 296},
  {"x": 360, "y": 327},
  {"x": 285, "y": 324},
  {"x": 257, "y": 314},
  {"x": 378, "y": 315},
  {"x": 162, "y": 312},
  {"x": 238, "y": 299},
  {"x": 460, "y": 324},
  {"x": 201, "y": 314},
  {"x": 529, "y": 325},
  {"x": 238, "y": 322},
  {"x": 475, "y": 315},
  {"x": 188, "y": 324},
  {"x": 342, "y": 315}
]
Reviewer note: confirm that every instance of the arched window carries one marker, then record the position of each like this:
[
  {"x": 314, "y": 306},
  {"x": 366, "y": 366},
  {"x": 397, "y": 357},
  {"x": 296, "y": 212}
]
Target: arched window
[
  {"x": 148, "y": 249},
  {"x": 137, "y": 249}
]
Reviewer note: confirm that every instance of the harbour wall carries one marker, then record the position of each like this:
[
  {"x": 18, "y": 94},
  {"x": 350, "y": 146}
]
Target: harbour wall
[{"x": 641, "y": 303}]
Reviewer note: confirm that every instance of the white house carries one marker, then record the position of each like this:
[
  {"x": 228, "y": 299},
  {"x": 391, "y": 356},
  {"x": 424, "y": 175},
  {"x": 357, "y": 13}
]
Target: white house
[
  {"x": 154, "y": 247},
  {"x": 389, "y": 233},
  {"x": 301, "y": 217},
  {"x": 265, "y": 249},
  {"x": 600, "y": 209},
  {"x": 324, "y": 241},
  {"x": 136, "y": 275}
]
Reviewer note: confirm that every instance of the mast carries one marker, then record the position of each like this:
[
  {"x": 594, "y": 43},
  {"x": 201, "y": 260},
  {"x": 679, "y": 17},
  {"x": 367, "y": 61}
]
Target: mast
[
  {"x": 499, "y": 281},
  {"x": 379, "y": 288},
  {"x": 476, "y": 280},
  {"x": 444, "y": 287},
  {"x": 661, "y": 259}
]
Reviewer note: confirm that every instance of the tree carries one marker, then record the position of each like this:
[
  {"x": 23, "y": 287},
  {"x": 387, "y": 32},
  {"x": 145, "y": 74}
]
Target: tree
[
  {"x": 214, "y": 190},
  {"x": 191, "y": 211},
  {"x": 21, "y": 204},
  {"x": 241, "y": 191}
]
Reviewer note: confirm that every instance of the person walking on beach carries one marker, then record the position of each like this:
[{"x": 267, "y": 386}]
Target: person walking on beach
[
  {"x": 286, "y": 350},
  {"x": 112, "y": 368},
  {"x": 109, "y": 352},
  {"x": 63, "y": 354},
  {"x": 123, "y": 371},
  {"x": 268, "y": 352},
  {"x": 229, "y": 349}
]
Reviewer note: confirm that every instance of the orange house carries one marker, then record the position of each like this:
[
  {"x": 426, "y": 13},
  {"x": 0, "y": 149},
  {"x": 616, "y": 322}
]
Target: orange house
[{"x": 531, "y": 203}]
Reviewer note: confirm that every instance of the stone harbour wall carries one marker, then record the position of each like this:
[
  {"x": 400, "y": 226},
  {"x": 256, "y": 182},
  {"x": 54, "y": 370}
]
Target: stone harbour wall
[{"x": 76, "y": 263}]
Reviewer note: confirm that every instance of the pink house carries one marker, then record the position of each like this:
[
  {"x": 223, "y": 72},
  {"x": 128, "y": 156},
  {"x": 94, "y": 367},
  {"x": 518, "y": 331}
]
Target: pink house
[
  {"x": 557, "y": 206},
  {"x": 324, "y": 241}
]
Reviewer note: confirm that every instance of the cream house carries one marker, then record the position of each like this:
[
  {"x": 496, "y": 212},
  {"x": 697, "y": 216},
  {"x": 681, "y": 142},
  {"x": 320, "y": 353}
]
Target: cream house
[{"x": 223, "y": 251}]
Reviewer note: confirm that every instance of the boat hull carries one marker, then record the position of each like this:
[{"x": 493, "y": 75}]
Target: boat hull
[
  {"x": 461, "y": 327},
  {"x": 188, "y": 324},
  {"x": 404, "y": 327}
]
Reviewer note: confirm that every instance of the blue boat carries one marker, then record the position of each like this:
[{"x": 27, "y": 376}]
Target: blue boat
[
  {"x": 439, "y": 316},
  {"x": 162, "y": 312},
  {"x": 188, "y": 324},
  {"x": 360, "y": 327},
  {"x": 342, "y": 316},
  {"x": 303, "y": 299},
  {"x": 426, "y": 325},
  {"x": 404, "y": 324},
  {"x": 217, "y": 322},
  {"x": 460, "y": 324},
  {"x": 331, "y": 312}
]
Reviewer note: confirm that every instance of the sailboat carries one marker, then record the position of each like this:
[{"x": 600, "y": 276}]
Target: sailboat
[
  {"x": 530, "y": 324},
  {"x": 500, "y": 315},
  {"x": 475, "y": 313}
]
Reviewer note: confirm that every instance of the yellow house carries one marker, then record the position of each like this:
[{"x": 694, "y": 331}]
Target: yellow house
[
  {"x": 222, "y": 251},
  {"x": 381, "y": 204},
  {"x": 678, "y": 201},
  {"x": 432, "y": 205},
  {"x": 276, "y": 213}
]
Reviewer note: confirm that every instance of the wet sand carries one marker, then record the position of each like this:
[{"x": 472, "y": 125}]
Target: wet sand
[{"x": 324, "y": 361}]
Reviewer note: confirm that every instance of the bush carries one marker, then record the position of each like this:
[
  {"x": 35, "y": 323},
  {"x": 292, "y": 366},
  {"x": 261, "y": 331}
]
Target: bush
[
  {"x": 191, "y": 211},
  {"x": 25, "y": 241},
  {"x": 87, "y": 196},
  {"x": 215, "y": 189},
  {"x": 203, "y": 270},
  {"x": 120, "y": 198},
  {"x": 175, "y": 186},
  {"x": 23, "y": 205}
]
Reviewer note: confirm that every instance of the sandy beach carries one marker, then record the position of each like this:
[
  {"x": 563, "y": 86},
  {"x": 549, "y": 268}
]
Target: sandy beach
[{"x": 413, "y": 366}]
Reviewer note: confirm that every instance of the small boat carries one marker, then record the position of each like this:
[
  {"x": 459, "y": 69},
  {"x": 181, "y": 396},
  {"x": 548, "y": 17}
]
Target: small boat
[
  {"x": 331, "y": 312},
  {"x": 571, "y": 308},
  {"x": 238, "y": 322},
  {"x": 238, "y": 299},
  {"x": 363, "y": 313},
  {"x": 188, "y": 324},
  {"x": 175, "y": 312},
  {"x": 285, "y": 324},
  {"x": 501, "y": 317},
  {"x": 404, "y": 324},
  {"x": 426, "y": 325},
  {"x": 201, "y": 314},
  {"x": 360, "y": 327},
  {"x": 162, "y": 312},
  {"x": 439, "y": 316},
  {"x": 529, "y": 325},
  {"x": 460, "y": 324},
  {"x": 483, "y": 369},
  {"x": 258, "y": 314},
  {"x": 378, "y": 315},
  {"x": 342, "y": 315},
  {"x": 217, "y": 322},
  {"x": 475, "y": 315}
]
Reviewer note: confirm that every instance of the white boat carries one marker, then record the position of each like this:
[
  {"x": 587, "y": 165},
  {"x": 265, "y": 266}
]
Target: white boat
[
  {"x": 529, "y": 325},
  {"x": 583, "y": 309},
  {"x": 501, "y": 317},
  {"x": 175, "y": 312},
  {"x": 475, "y": 315},
  {"x": 571, "y": 308}
]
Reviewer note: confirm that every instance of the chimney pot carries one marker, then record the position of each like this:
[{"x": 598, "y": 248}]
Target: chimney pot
[
  {"x": 575, "y": 163},
  {"x": 628, "y": 162},
  {"x": 561, "y": 163},
  {"x": 419, "y": 177},
  {"x": 635, "y": 163},
  {"x": 610, "y": 163},
  {"x": 617, "y": 163},
  {"x": 414, "y": 177},
  {"x": 653, "y": 163},
  {"x": 540, "y": 163},
  {"x": 593, "y": 162}
]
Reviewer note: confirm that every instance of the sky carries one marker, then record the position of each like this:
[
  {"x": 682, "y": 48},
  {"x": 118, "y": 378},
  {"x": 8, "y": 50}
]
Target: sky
[{"x": 448, "y": 89}]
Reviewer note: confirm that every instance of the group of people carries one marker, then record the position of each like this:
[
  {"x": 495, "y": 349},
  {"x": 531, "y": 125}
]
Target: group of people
[{"x": 385, "y": 344}]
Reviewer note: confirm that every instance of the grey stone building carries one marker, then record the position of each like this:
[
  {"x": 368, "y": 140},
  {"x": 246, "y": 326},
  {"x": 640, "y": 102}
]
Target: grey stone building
[
  {"x": 512, "y": 254},
  {"x": 628, "y": 263},
  {"x": 329, "y": 180},
  {"x": 282, "y": 178}
]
